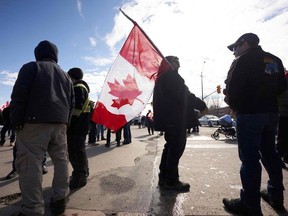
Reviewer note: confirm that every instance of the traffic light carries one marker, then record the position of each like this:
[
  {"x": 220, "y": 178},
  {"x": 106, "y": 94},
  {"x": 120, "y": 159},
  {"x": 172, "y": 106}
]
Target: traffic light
[{"x": 218, "y": 89}]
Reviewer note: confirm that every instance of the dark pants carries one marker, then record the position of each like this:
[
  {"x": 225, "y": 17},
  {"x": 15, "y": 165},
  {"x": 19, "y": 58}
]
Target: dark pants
[
  {"x": 127, "y": 133},
  {"x": 77, "y": 154},
  {"x": 6, "y": 127},
  {"x": 282, "y": 138},
  {"x": 108, "y": 140},
  {"x": 195, "y": 129},
  {"x": 172, "y": 152},
  {"x": 256, "y": 140},
  {"x": 14, "y": 158},
  {"x": 150, "y": 126},
  {"x": 118, "y": 136},
  {"x": 92, "y": 132}
]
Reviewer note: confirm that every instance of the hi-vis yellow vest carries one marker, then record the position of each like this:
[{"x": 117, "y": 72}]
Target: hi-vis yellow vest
[{"x": 86, "y": 106}]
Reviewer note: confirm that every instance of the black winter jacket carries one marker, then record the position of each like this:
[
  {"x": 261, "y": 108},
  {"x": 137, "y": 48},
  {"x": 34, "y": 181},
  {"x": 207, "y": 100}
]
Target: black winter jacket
[
  {"x": 43, "y": 92},
  {"x": 173, "y": 103},
  {"x": 249, "y": 90}
]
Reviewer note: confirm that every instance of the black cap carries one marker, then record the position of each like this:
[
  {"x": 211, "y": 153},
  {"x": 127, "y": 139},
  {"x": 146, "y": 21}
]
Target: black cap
[
  {"x": 76, "y": 73},
  {"x": 249, "y": 37},
  {"x": 170, "y": 59}
]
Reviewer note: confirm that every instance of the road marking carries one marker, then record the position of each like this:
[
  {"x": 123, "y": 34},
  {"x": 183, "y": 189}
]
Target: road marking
[
  {"x": 221, "y": 142},
  {"x": 199, "y": 138},
  {"x": 210, "y": 146}
]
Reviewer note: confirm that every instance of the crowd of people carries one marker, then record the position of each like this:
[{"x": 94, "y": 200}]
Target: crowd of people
[{"x": 50, "y": 111}]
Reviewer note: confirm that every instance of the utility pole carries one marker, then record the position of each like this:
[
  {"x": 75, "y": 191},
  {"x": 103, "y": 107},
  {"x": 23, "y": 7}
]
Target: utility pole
[{"x": 202, "y": 79}]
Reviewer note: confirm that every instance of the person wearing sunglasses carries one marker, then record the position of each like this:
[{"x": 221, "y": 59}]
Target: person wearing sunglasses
[{"x": 255, "y": 80}]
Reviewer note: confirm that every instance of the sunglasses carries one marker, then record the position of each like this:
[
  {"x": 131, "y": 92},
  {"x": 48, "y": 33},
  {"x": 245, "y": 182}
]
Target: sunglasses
[{"x": 237, "y": 45}]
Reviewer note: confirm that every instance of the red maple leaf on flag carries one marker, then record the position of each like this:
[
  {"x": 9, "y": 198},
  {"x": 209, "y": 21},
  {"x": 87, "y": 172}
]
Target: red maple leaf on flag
[{"x": 126, "y": 94}]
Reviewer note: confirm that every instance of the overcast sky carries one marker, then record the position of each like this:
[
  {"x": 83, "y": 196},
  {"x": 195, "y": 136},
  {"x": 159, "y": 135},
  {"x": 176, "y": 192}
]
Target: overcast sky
[{"x": 90, "y": 34}]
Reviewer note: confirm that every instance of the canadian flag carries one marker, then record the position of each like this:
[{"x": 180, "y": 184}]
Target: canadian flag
[{"x": 130, "y": 81}]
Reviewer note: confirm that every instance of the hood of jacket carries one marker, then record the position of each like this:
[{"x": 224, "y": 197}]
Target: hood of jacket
[
  {"x": 46, "y": 51},
  {"x": 83, "y": 83}
]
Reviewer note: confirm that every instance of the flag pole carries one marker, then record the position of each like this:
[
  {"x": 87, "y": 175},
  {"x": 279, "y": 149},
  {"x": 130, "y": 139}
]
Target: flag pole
[
  {"x": 135, "y": 23},
  {"x": 128, "y": 17}
]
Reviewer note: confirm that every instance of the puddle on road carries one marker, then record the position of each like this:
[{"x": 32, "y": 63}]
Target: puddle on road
[
  {"x": 116, "y": 184},
  {"x": 5, "y": 200}
]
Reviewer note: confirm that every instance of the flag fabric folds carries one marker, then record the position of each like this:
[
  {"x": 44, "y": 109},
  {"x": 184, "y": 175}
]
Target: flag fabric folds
[
  {"x": 130, "y": 81},
  {"x": 5, "y": 105}
]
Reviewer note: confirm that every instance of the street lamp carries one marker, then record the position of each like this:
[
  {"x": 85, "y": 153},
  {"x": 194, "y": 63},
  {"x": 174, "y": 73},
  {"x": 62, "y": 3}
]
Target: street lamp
[{"x": 202, "y": 79}]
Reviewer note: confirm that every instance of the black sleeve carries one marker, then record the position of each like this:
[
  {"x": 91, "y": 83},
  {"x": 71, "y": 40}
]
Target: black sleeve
[
  {"x": 237, "y": 85},
  {"x": 21, "y": 92}
]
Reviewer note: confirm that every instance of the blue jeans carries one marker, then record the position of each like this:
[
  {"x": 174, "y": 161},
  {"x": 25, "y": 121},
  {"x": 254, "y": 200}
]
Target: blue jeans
[
  {"x": 256, "y": 140},
  {"x": 100, "y": 131}
]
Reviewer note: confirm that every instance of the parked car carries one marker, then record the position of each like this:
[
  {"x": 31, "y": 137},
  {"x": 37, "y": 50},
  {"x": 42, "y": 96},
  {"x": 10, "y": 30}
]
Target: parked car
[{"x": 209, "y": 120}]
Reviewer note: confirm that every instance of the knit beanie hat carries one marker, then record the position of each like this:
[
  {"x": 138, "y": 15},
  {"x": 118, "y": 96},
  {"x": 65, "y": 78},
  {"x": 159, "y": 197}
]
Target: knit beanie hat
[{"x": 75, "y": 73}]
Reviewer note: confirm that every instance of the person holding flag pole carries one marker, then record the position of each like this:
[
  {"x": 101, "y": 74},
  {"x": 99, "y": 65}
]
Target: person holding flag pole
[
  {"x": 173, "y": 106},
  {"x": 128, "y": 88}
]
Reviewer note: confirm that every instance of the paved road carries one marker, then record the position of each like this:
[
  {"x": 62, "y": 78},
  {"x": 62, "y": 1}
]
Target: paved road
[{"x": 123, "y": 180}]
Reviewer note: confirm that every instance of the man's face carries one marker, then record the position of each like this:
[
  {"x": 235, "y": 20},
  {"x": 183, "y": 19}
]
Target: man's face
[
  {"x": 239, "y": 49},
  {"x": 175, "y": 64}
]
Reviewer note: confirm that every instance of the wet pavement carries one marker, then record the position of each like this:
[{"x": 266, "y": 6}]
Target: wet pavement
[{"x": 123, "y": 180}]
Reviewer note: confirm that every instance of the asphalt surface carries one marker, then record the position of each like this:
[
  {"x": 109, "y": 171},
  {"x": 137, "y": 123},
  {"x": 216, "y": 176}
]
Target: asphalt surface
[{"x": 123, "y": 180}]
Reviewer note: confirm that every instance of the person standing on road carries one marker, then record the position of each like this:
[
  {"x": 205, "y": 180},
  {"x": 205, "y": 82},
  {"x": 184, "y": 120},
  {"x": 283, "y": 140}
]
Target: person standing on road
[
  {"x": 173, "y": 106},
  {"x": 7, "y": 126},
  {"x": 100, "y": 132},
  {"x": 150, "y": 122},
  {"x": 92, "y": 126},
  {"x": 108, "y": 139},
  {"x": 127, "y": 133},
  {"x": 254, "y": 81},
  {"x": 118, "y": 135},
  {"x": 42, "y": 100},
  {"x": 78, "y": 130}
]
